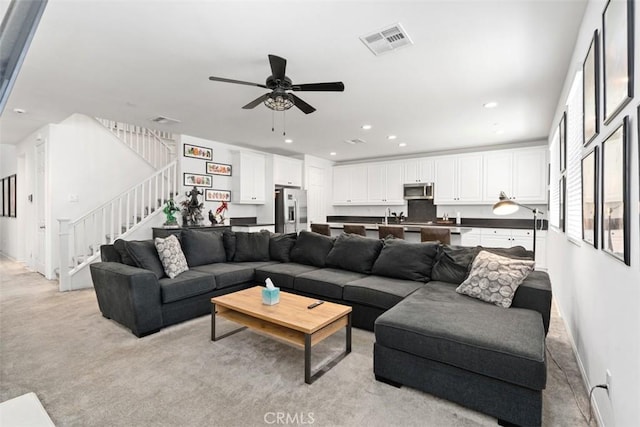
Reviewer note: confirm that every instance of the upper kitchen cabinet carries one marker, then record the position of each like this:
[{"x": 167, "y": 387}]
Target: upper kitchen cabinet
[
  {"x": 248, "y": 178},
  {"x": 385, "y": 183},
  {"x": 419, "y": 171},
  {"x": 350, "y": 185},
  {"x": 287, "y": 171},
  {"x": 519, "y": 173},
  {"x": 458, "y": 179}
]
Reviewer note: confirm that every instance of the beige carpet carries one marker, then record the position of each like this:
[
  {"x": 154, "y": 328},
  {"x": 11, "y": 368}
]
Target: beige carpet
[{"x": 89, "y": 371}]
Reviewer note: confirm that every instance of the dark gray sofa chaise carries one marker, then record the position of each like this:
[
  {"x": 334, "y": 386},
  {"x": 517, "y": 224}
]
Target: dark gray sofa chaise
[{"x": 428, "y": 336}]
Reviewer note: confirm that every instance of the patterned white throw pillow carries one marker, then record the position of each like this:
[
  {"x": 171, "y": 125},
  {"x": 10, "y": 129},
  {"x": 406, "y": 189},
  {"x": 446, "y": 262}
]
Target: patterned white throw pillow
[
  {"x": 171, "y": 255},
  {"x": 495, "y": 278}
]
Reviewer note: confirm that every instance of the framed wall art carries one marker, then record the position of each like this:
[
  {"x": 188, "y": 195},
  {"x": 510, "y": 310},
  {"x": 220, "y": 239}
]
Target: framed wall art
[
  {"x": 217, "y": 195},
  {"x": 5, "y": 197},
  {"x": 196, "y": 180},
  {"x": 615, "y": 194},
  {"x": 2, "y": 197},
  {"x": 617, "y": 51},
  {"x": 590, "y": 86},
  {"x": 590, "y": 197},
  {"x": 12, "y": 195},
  {"x": 218, "y": 169},
  {"x": 197, "y": 152},
  {"x": 562, "y": 132},
  {"x": 562, "y": 188}
]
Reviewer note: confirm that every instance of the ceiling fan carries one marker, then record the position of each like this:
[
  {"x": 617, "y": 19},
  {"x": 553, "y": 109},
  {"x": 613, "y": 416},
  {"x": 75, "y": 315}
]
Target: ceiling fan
[{"x": 279, "y": 99}]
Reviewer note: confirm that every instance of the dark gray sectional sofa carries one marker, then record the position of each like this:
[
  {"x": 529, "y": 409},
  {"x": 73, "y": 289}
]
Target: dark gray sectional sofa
[{"x": 428, "y": 336}]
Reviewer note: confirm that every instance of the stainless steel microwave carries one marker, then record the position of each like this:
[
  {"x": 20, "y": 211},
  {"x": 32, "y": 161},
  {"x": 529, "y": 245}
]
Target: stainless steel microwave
[{"x": 418, "y": 191}]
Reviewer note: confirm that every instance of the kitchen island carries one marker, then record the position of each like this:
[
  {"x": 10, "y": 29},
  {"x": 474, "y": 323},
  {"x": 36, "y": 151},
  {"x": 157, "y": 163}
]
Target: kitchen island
[{"x": 411, "y": 229}]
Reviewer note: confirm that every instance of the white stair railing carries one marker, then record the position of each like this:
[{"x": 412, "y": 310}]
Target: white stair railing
[
  {"x": 147, "y": 143},
  {"x": 80, "y": 239}
]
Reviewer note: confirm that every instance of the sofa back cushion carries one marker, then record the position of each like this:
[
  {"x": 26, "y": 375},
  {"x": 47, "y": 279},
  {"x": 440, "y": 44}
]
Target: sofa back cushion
[
  {"x": 280, "y": 246},
  {"x": 453, "y": 263},
  {"x": 145, "y": 255},
  {"x": 311, "y": 249},
  {"x": 354, "y": 253},
  {"x": 251, "y": 246},
  {"x": 121, "y": 247},
  {"x": 202, "y": 247},
  {"x": 402, "y": 260}
]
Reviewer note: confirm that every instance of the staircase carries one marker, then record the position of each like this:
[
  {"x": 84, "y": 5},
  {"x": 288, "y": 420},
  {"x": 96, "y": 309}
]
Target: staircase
[{"x": 80, "y": 239}]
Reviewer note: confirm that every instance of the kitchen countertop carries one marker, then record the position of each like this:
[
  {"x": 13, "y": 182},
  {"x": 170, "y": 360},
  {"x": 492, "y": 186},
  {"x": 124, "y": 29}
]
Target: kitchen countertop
[{"x": 408, "y": 226}]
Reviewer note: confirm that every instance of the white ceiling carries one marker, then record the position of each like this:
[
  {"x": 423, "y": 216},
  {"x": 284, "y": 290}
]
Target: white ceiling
[{"x": 135, "y": 60}]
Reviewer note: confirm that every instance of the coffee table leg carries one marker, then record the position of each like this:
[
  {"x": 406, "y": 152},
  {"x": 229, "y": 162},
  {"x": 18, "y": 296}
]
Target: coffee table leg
[
  {"x": 307, "y": 359},
  {"x": 213, "y": 322},
  {"x": 308, "y": 378},
  {"x": 348, "y": 334}
]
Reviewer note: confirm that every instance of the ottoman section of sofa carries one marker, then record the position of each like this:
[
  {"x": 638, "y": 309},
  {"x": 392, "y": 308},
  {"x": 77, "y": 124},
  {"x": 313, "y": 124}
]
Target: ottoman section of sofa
[
  {"x": 186, "y": 284},
  {"x": 378, "y": 291},
  {"x": 282, "y": 274},
  {"x": 438, "y": 324},
  {"x": 229, "y": 274},
  {"x": 325, "y": 282}
]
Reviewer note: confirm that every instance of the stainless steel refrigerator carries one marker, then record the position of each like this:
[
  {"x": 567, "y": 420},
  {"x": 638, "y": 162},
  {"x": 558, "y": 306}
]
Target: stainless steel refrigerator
[{"x": 291, "y": 210}]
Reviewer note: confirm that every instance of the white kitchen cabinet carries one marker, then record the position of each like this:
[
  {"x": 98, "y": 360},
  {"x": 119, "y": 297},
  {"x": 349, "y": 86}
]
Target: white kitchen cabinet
[
  {"x": 249, "y": 170},
  {"x": 519, "y": 173},
  {"x": 418, "y": 171},
  {"x": 458, "y": 179},
  {"x": 471, "y": 238},
  {"x": 506, "y": 238},
  {"x": 350, "y": 185},
  {"x": 287, "y": 171},
  {"x": 384, "y": 184}
]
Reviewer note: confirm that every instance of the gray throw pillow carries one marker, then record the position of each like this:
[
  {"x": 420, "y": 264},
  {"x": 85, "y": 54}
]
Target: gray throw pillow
[
  {"x": 252, "y": 246},
  {"x": 453, "y": 263},
  {"x": 203, "y": 247},
  {"x": 354, "y": 253},
  {"x": 145, "y": 255},
  {"x": 229, "y": 242},
  {"x": 402, "y": 260},
  {"x": 171, "y": 256},
  {"x": 494, "y": 278},
  {"x": 280, "y": 246},
  {"x": 121, "y": 246},
  {"x": 311, "y": 249}
]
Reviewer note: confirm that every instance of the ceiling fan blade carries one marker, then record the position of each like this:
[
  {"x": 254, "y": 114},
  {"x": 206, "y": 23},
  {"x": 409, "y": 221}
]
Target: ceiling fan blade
[
  {"x": 256, "y": 102},
  {"x": 320, "y": 87},
  {"x": 278, "y": 67},
  {"x": 240, "y": 82},
  {"x": 303, "y": 106}
]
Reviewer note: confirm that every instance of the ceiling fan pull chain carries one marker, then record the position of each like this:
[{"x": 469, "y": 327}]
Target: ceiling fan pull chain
[
  {"x": 284, "y": 123},
  {"x": 273, "y": 121}
]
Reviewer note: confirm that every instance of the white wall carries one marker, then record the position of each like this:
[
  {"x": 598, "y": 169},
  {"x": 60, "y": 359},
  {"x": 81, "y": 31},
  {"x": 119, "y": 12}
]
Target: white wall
[
  {"x": 597, "y": 295},
  {"x": 8, "y": 226}
]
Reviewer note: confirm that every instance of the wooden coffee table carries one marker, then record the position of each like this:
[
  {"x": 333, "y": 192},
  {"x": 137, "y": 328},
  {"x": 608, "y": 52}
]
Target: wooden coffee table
[{"x": 289, "y": 320}]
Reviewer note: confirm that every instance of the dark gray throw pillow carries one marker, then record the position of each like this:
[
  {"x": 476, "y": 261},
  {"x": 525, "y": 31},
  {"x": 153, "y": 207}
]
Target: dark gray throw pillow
[
  {"x": 252, "y": 246},
  {"x": 403, "y": 260},
  {"x": 354, "y": 253},
  {"x": 202, "y": 247},
  {"x": 121, "y": 247},
  {"x": 454, "y": 263},
  {"x": 516, "y": 252},
  {"x": 311, "y": 249},
  {"x": 229, "y": 241},
  {"x": 145, "y": 255},
  {"x": 280, "y": 246}
]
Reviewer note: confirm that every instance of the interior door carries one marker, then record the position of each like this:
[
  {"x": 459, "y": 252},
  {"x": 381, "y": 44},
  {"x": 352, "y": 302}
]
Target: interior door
[{"x": 41, "y": 224}]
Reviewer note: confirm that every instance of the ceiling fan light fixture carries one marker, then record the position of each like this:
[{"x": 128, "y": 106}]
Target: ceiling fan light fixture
[{"x": 279, "y": 101}]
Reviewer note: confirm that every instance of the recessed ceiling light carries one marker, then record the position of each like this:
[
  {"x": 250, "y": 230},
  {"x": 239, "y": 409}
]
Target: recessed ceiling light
[
  {"x": 19, "y": 111},
  {"x": 288, "y": 141},
  {"x": 491, "y": 104},
  {"x": 333, "y": 153},
  {"x": 390, "y": 137},
  {"x": 402, "y": 144},
  {"x": 366, "y": 127}
]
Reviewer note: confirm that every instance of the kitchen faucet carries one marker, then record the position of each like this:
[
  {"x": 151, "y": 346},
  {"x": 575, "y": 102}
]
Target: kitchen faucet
[{"x": 387, "y": 214}]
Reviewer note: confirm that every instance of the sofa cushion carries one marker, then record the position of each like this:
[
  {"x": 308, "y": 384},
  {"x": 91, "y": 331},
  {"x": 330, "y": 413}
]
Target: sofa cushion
[
  {"x": 121, "y": 247},
  {"x": 188, "y": 284},
  {"x": 171, "y": 256},
  {"x": 283, "y": 274},
  {"x": 145, "y": 255},
  {"x": 377, "y": 291},
  {"x": 438, "y": 324},
  {"x": 229, "y": 241},
  {"x": 252, "y": 246},
  {"x": 202, "y": 247},
  {"x": 325, "y": 282},
  {"x": 280, "y": 246},
  {"x": 311, "y": 249},
  {"x": 402, "y": 260},
  {"x": 354, "y": 253},
  {"x": 494, "y": 278},
  {"x": 453, "y": 263},
  {"x": 230, "y": 274}
]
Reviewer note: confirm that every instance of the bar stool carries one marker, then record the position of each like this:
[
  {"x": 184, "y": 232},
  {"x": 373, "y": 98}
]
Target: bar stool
[
  {"x": 432, "y": 234},
  {"x": 395, "y": 231},
  {"x": 321, "y": 229},
  {"x": 355, "y": 229}
]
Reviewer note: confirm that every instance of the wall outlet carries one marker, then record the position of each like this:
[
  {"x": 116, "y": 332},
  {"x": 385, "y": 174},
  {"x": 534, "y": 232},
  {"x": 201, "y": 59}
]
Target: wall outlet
[{"x": 608, "y": 382}]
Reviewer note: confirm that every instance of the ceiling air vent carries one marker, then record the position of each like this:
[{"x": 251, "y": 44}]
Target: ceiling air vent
[
  {"x": 164, "y": 120},
  {"x": 355, "y": 141},
  {"x": 387, "y": 39}
]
